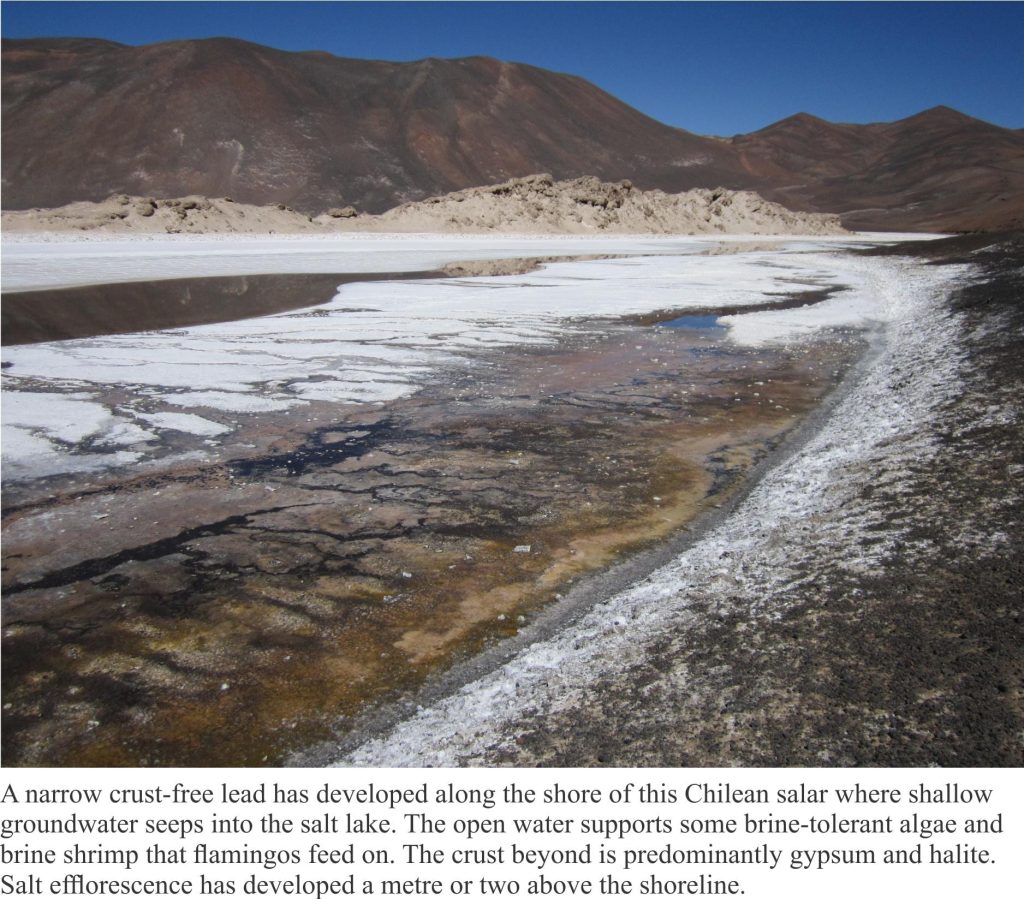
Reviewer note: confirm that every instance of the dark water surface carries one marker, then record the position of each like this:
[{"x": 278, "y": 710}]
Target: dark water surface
[
  {"x": 240, "y": 607},
  {"x": 96, "y": 309}
]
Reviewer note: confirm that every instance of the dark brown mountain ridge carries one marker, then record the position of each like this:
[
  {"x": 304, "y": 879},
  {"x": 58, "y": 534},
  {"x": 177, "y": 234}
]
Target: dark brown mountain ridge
[
  {"x": 939, "y": 170},
  {"x": 87, "y": 118}
]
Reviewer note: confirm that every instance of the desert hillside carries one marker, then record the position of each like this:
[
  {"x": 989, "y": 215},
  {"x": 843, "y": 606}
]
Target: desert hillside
[
  {"x": 939, "y": 170},
  {"x": 85, "y": 119},
  {"x": 224, "y": 117}
]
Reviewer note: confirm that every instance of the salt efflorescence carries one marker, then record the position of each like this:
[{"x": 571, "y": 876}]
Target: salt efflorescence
[{"x": 754, "y": 557}]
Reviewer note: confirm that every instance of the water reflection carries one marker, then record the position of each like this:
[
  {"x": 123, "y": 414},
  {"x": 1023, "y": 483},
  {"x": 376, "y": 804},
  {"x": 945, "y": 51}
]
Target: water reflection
[{"x": 97, "y": 309}]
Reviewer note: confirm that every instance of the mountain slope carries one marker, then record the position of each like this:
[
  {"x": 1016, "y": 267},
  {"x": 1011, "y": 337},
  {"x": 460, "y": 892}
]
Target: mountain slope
[
  {"x": 84, "y": 119},
  {"x": 938, "y": 170}
]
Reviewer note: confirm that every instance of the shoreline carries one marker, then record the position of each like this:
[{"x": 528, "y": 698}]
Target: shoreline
[
  {"x": 829, "y": 638},
  {"x": 611, "y": 351},
  {"x": 480, "y": 600},
  {"x": 594, "y": 589}
]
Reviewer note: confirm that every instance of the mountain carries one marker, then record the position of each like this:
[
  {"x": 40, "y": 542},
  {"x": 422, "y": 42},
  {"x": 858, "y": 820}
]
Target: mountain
[
  {"x": 84, "y": 119},
  {"x": 939, "y": 170}
]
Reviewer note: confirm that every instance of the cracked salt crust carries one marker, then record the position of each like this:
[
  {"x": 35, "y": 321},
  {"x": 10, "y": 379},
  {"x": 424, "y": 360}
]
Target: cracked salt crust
[
  {"x": 182, "y": 421},
  {"x": 226, "y": 402},
  {"x": 401, "y": 333}
]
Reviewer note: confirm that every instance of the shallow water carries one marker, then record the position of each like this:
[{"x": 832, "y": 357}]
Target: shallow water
[
  {"x": 90, "y": 404},
  {"x": 707, "y": 323},
  {"x": 235, "y": 611},
  {"x": 97, "y": 309},
  {"x": 360, "y": 494}
]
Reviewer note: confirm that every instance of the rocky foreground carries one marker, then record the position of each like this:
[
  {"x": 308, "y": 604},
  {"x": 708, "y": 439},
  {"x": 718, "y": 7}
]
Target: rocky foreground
[{"x": 537, "y": 205}]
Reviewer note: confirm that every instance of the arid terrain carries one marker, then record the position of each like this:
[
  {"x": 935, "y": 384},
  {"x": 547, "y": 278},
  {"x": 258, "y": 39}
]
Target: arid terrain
[
  {"x": 86, "y": 119},
  {"x": 512, "y": 517},
  {"x": 861, "y": 605}
]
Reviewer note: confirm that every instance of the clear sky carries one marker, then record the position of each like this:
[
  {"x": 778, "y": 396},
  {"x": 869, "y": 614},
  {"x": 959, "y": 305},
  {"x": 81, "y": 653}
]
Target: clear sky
[{"x": 713, "y": 68}]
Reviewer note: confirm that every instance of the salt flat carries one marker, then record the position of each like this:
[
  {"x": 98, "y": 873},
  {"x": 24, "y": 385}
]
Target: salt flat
[
  {"x": 393, "y": 450},
  {"x": 33, "y": 261},
  {"x": 119, "y": 396},
  {"x": 36, "y": 260}
]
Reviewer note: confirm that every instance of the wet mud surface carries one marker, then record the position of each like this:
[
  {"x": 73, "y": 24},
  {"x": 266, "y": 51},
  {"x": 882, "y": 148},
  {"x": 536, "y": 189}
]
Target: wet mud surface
[{"x": 232, "y": 611}]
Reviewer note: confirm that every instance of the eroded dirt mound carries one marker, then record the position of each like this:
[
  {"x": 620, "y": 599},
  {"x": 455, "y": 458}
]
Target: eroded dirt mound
[
  {"x": 146, "y": 215},
  {"x": 538, "y": 203},
  {"x": 534, "y": 205}
]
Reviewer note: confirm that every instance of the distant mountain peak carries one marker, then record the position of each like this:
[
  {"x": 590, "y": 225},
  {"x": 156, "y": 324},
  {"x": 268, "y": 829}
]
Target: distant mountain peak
[
  {"x": 804, "y": 118},
  {"x": 944, "y": 114},
  {"x": 946, "y": 111}
]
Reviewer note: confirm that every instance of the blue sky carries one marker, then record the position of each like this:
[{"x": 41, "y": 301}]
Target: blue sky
[{"x": 714, "y": 68}]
